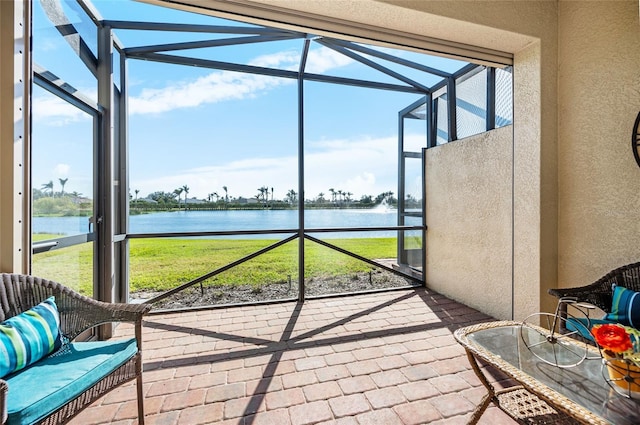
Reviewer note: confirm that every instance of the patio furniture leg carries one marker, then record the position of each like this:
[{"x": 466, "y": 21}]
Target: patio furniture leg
[
  {"x": 140, "y": 400},
  {"x": 488, "y": 398},
  {"x": 139, "y": 388}
]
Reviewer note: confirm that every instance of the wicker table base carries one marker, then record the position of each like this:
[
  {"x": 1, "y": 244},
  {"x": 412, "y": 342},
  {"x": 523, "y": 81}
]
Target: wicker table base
[
  {"x": 521, "y": 405},
  {"x": 544, "y": 393}
]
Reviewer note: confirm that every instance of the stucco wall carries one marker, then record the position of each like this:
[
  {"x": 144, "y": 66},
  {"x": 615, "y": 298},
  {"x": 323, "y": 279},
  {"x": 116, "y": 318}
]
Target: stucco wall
[
  {"x": 598, "y": 179},
  {"x": 469, "y": 219}
]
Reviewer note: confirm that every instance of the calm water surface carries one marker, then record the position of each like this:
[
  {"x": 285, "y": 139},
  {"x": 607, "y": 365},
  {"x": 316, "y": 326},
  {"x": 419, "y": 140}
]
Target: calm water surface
[{"x": 232, "y": 220}]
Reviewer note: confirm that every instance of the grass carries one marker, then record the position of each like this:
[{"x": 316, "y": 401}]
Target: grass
[{"x": 161, "y": 264}]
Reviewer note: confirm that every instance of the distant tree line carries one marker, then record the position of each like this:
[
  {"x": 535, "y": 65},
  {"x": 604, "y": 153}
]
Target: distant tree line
[
  {"x": 264, "y": 198},
  {"x": 49, "y": 201}
]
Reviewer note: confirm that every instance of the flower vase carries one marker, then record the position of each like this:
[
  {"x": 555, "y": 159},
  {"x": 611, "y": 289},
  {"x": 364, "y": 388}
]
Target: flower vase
[{"x": 623, "y": 374}]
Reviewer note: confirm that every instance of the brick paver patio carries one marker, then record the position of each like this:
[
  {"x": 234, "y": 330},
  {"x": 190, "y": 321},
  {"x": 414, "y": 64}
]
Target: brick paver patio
[{"x": 384, "y": 358}]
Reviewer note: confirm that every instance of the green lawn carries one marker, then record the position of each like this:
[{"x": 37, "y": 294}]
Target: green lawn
[{"x": 161, "y": 264}]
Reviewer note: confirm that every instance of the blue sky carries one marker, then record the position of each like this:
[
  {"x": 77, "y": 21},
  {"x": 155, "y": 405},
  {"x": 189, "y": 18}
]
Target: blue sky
[{"x": 208, "y": 128}]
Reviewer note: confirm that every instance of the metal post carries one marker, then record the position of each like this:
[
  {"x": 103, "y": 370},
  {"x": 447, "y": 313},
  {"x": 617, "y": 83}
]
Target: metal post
[
  {"x": 424, "y": 217},
  {"x": 432, "y": 121},
  {"x": 303, "y": 61},
  {"x": 491, "y": 98},
  {"x": 453, "y": 120},
  {"x": 402, "y": 257},
  {"x": 122, "y": 203},
  {"x": 104, "y": 177}
]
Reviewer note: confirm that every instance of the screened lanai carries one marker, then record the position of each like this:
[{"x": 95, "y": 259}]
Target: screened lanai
[{"x": 186, "y": 160}]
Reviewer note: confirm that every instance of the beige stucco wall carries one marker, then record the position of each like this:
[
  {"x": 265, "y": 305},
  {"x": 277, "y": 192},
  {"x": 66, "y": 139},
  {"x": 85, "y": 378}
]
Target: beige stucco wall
[
  {"x": 598, "y": 179},
  {"x": 469, "y": 219}
]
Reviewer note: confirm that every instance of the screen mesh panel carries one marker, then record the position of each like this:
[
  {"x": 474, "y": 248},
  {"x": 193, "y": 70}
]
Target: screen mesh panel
[
  {"x": 442, "y": 135},
  {"x": 471, "y": 104},
  {"x": 504, "y": 96}
]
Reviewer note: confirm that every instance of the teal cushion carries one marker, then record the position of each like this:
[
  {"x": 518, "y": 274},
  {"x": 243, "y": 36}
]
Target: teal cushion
[
  {"x": 63, "y": 376},
  {"x": 583, "y": 326},
  {"x": 625, "y": 307},
  {"x": 29, "y": 336}
]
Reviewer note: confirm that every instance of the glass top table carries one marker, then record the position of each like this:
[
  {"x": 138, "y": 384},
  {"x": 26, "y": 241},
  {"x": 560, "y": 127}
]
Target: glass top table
[{"x": 577, "y": 394}]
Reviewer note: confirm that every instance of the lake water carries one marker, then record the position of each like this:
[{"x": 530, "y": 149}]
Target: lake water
[{"x": 234, "y": 220}]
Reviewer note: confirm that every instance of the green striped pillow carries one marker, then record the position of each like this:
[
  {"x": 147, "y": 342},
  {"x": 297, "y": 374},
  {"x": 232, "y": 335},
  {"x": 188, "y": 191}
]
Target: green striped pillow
[{"x": 29, "y": 336}]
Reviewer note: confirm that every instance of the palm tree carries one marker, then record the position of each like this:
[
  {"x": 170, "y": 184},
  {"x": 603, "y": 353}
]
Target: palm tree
[
  {"x": 49, "y": 187},
  {"x": 136, "y": 192},
  {"x": 186, "y": 192},
  {"x": 226, "y": 195},
  {"x": 333, "y": 195},
  {"x": 62, "y": 183},
  {"x": 384, "y": 197},
  {"x": 264, "y": 192},
  {"x": 177, "y": 192},
  {"x": 366, "y": 199},
  {"x": 271, "y": 194},
  {"x": 292, "y": 196},
  {"x": 321, "y": 197}
]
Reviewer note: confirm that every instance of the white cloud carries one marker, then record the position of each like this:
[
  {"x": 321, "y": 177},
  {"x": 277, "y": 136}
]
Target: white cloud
[
  {"x": 282, "y": 60},
  {"x": 324, "y": 59},
  {"x": 362, "y": 183},
  {"x": 220, "y": 86},
  {"x": 61, "y": 170},
  {"x": 215, "y": 87},
  {"x": 53, "y": 111},
  {"x": 364, "y": 166}
]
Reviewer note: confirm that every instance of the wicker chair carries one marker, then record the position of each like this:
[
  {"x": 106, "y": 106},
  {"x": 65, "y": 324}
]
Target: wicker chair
[
  {"x": 600, "y": 292},
  {"x": 78, "y": 313}
]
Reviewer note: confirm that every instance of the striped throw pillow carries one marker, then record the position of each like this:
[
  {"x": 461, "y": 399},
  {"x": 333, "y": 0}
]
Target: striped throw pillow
[
  {"x": 29, "y": 336},
  {"x": 625, "y": 308}
]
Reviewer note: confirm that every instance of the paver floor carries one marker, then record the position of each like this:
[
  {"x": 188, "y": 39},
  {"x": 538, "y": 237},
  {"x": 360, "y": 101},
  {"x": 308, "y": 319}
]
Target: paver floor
[{"x": 384, "y": 358}]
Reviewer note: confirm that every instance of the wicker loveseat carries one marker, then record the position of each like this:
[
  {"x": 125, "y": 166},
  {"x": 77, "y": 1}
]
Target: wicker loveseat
[
  {"x": 600, "y": 292},
  {"x": 57, "y": 387}
]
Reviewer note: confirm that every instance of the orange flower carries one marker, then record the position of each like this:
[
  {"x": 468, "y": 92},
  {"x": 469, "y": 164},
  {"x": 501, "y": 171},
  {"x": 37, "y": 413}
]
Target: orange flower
[{"x": 612, "y": 338}]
